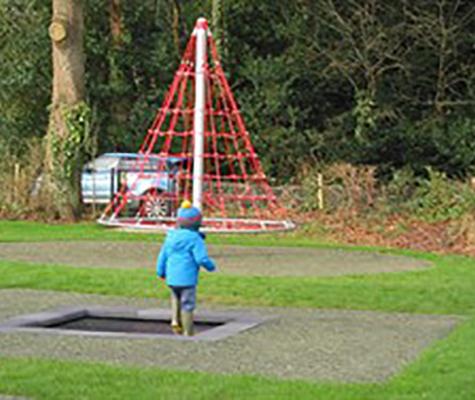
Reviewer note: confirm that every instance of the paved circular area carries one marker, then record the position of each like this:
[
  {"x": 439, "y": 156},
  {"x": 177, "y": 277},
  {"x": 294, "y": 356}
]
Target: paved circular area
[
  {"x": 334, "y": 345},
  {"x": 4, "y": 397},
  {"x": 232, "y": 260}
]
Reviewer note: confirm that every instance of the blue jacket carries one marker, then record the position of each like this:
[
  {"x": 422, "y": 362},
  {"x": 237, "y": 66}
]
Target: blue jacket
[{"x": 181, "y": 256}]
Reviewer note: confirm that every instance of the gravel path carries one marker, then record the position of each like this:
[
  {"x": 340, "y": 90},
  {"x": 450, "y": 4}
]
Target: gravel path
[
  {"x": 349, "y": 346},
  {"x": 232, "y": 260},
  {"x": 4, "y": 397}
]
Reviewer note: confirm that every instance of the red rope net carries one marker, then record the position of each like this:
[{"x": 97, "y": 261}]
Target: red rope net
[{"x": 236, "y": 194}]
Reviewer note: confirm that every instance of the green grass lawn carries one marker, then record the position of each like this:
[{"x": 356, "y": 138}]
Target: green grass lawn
[
  {"x": 445, "y": 371},
  {"x": 25, "y": 231}
]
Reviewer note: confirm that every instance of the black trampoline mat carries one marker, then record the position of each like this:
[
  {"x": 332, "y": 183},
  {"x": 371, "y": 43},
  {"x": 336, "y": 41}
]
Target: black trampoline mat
[{"x": 126, "y": 325}]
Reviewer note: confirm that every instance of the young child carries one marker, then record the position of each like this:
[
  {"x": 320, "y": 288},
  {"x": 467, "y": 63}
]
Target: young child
[{"x": 179, "y": 261}]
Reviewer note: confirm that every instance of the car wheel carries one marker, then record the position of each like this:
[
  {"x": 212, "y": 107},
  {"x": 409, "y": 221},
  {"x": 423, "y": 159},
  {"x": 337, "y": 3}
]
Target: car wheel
[{"x": 155, "y": 206}]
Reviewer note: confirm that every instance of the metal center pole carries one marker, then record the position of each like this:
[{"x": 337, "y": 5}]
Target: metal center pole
[{"x": 201, "y": 30}]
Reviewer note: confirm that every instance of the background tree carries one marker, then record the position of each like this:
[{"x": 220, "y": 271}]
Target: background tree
[
  {"x": 25, "y": 71},
  {"x": 68, "y": 113},
  {"x": 117, "y": 85},
  {"x": 218, "y": 26},
  {"x": 374, "y": 82},
  {"x": 442, "y": 32}
]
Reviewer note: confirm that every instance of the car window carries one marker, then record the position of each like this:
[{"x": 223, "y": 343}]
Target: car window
[
  {"x": 103, "y": 162},
  {"x": 151, "y": 163}
]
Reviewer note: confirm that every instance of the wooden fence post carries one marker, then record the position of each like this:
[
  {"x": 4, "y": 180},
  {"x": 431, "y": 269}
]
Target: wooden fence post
[
  {"x": 320, "y": 191},
  {"x": 16, "y": 182}
]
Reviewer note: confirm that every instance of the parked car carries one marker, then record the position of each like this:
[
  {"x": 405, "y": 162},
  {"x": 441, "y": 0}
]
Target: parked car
[{"x": 145, "y": 176}]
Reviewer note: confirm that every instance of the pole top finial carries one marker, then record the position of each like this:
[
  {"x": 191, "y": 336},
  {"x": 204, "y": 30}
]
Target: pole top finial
[{"x": 201, "y": 23}]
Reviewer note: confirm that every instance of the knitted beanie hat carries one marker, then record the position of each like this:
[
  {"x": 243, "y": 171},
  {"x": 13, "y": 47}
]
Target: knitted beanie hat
[{"x": 188, "y": 216}]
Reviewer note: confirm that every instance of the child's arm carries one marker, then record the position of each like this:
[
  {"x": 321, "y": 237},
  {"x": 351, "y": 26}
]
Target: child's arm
[
  {"x": 162, "y": 262},
  {"x": 200, "y": 254}
]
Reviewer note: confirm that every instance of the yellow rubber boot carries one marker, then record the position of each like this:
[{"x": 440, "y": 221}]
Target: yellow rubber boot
[
  {"x": 187, "y": 320},
  {"x": 176, "y": 315}
]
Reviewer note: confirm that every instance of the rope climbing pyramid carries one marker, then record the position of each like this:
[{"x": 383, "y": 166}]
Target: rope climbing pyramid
[{"x": 197, "y": 149}]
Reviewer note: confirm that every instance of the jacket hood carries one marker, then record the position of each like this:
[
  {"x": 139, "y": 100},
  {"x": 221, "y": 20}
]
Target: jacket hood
[{"x": 181, "y": 238}]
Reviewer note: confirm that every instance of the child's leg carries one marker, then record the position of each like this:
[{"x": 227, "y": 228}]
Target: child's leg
[
  {"x": 176, "y": 310},
  {"x": 188, "y": 303}
]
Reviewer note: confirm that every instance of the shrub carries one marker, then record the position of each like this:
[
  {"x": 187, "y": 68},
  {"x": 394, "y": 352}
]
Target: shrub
[
  {"x": 345, "y": 187},
  {"x": 439, "y": 198},
  {"x": 20, "y": 177},
  {"x": 355, "y": 189}
]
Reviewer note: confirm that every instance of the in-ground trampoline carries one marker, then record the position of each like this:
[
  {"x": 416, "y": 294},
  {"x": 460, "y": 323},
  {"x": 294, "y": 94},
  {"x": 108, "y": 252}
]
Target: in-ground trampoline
[{"x": 129, "y": 323}]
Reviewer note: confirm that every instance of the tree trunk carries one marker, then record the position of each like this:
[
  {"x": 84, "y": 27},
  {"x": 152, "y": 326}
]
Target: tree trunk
[
  {"x": 119, "y": 107},
  {"x": 115, "y": 21},
  {"x": 66, "y": 33},
  {"x": 219, "y": 27},
  {"x": 176, "y": 17}
]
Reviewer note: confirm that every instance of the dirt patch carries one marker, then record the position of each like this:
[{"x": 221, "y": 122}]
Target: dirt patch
[
  {"x": 232, "y": 260},
  {"x": 347, "y": 346},
  {"x": 396, "y": 231}
]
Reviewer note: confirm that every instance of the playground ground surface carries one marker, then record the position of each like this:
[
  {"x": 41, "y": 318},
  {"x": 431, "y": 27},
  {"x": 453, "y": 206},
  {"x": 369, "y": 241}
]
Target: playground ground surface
[
  {"x": 232, "y": 260},
  {"x": 348, "y": 323}
]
